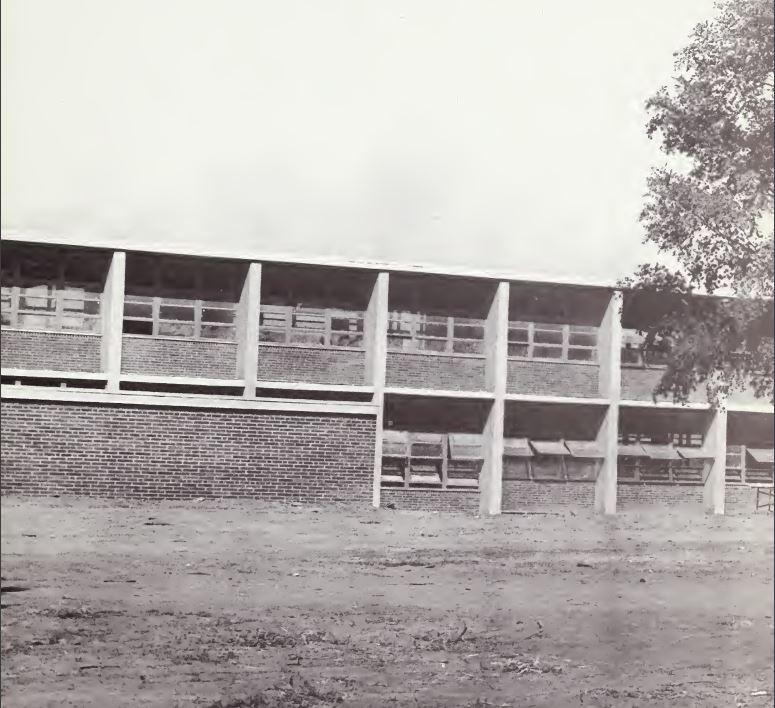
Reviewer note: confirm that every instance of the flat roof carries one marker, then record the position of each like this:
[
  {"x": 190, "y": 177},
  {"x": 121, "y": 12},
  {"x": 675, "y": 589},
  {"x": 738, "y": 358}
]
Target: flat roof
[{"x": 118, "y": 244}]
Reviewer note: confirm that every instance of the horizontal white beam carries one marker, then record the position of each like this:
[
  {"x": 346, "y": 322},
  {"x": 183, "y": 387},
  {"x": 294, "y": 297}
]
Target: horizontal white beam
[
  {"x": 51, "y": 374},
  {"x": 422, "y": 352},
  {"x": 437, "y": 393},
  {"x": 302, "y": 386},
  {"x": 130, "y": 245},
  {"x": 750, "y": 407},
  {"x": 574, "y": 400},
  {"x": 52, "y": 332},
  {"x": 702, "y": 406},
  {"x": 143, "y": 398},
  {"x": 697, "y": 406},
  {"x": 204, "y": 341},
  {"x": 180, "y": 380}
]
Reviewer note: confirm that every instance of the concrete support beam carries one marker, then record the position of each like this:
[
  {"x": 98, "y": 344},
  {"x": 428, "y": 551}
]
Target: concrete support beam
[
  {"x": 609, "y": 347},
  {"x": 496, "y": 347},
  {"x": 714, "y": 490},
  {"x": 608, "y": 438},
  {"x": 609, "y": 357},
  {"x": 376, "y": 485},
  {"x": 113, "y": 319},
  {"x": 375, "y": 325},
  {"x": 496, "y": 331},
  {"x": 248, "y": 315},
  {"x": 491, "y": 477}
]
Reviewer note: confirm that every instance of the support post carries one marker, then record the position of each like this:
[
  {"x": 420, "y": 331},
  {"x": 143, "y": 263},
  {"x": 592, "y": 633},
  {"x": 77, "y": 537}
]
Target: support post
[
  {"x": 496, "y": 331},
  {"x": 608, "y": 438},
  {"x": 609, "y": 349},
  {"x": 113, "y": 320},
  {"x": 375, "y": 325},
  {"x": 609, "y": 345},
  {"x": 248, "y": 315},
  {"x": 714, "y": 491},
  {"x": 375, "y": 333}
]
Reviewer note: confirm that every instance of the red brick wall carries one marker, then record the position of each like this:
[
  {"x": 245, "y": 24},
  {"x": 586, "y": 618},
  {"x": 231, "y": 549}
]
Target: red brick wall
[
  {"x": 57, "y": 351},
  {"x": 178, "y": 357},
  {"x": 311, "y": 365},
  {"x": 638, "y": 384},
  {"x": 453, "y": 373},
  {"x": 633, "y": 496},
  {"x": 432, "y": 499},
  {"x": 168, "y": 453},
  {"x": 547, "y": 378},
  {"x": 526, "y": 494}
]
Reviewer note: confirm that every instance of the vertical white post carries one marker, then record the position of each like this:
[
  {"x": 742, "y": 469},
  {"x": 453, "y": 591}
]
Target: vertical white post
[
  {"x": 113, "y": 320},
  {"x": 609, "y": 356},
  {"x": 714, "y": 490},
  {"x": 248, "y": 313},
  {"x": 609, "y": 349},
  {"x": 375, "y": 332},
  {"x": 375, "y": 325},
  {"x": 608, "y": 438},
  {"x": 496, "y": 348}
]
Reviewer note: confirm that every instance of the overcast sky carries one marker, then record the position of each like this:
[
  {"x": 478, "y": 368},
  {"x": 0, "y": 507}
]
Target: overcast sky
[{"x": 492, "y": 133}]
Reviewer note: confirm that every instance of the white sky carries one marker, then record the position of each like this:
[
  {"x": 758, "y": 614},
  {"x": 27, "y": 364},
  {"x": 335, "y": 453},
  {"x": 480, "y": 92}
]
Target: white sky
[{"x": 491, "y": 133}]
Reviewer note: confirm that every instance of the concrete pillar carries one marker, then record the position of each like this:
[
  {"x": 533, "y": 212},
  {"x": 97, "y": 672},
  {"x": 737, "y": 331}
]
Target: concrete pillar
[
  {"x": 248, "y": 314},
  {"x": 496, "y": 348},
  {"x": 714, "y": 490},
  {"x": 496, "y": 331},
  {"x": 610, "y": 387},
  {"x": 608, "y": 439},
  {"x": 375, "y": 325},
  {"x": 609, "y": 347},
  {"x": 113, "y": 320}
]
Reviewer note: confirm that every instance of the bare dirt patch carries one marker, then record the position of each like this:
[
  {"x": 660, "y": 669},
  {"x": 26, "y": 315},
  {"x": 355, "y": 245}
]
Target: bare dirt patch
[{"x": 241, "y": 604}]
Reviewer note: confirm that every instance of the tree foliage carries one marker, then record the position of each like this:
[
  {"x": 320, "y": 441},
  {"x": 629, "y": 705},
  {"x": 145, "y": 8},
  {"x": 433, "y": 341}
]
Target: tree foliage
[{"x": 711, "y": 208}]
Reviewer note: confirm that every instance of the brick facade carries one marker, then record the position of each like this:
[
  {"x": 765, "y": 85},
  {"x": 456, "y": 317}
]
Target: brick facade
[
  {"x": 464, "y": 501},
  {"x": 311, "y": 365},
  {"x": 178, "y": 357},
  {"x": 634, "y": 496},
  {"x": 526, "y": 494},
  {"x": 553, "y": 378},
  {"x": 170, "y": 453},
  {"x": 451, "y": 373},
  {"x": 55, "y": 351},
  {"x": 740, "y": 499},
  {"x": 638, "y": 385}
]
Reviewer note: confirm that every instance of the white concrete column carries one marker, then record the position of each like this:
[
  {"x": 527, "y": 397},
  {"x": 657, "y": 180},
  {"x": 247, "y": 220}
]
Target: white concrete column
[
  {"x": 375, "y": 325},
  {"x": 248, "y": 314},
  {"x": 609, "y": 349},
  {"x": 496, "y": 332},
  {"x": 714, "y": 490},
  {"x": 376, "y": 485},
  {"x": 113, "y": 319},
  {"x": 608, "y": 439}
]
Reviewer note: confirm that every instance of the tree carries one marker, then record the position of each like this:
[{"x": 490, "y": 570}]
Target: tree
[{"x": 711, "y": 209}]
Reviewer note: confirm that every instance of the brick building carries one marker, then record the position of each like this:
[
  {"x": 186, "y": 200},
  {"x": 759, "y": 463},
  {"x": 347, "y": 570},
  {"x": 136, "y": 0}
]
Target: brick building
[{"x": 156, "y": 375}]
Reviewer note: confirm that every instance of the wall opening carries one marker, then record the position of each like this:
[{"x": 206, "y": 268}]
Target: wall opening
[{"x": 433, "y": 444}]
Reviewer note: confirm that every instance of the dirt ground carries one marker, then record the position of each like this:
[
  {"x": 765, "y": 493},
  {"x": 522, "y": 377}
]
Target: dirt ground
[{"x": 241, "y": 604}]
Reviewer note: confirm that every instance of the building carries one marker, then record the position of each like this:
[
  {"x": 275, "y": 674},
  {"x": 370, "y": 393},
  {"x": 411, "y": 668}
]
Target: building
[{"x": 137, "y": 373}]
